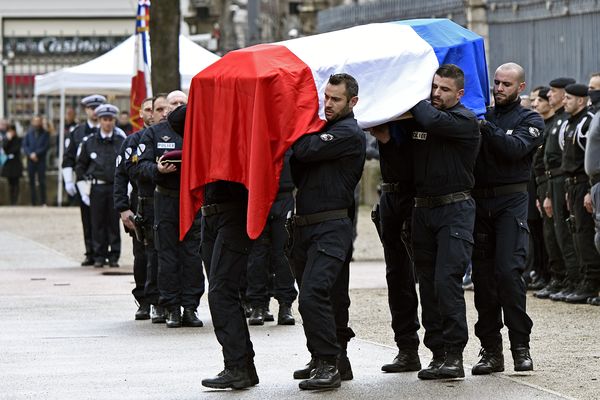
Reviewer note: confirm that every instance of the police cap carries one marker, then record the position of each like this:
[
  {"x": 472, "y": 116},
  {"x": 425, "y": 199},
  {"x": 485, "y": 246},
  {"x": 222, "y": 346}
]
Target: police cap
[
  {"x": 543, "y": 93},
  {"x": 93, "y": 101},
  {"x": 106, "y": 110},
  {"x": 561, "y": 83},
  {"x": 577, "y": 89}
]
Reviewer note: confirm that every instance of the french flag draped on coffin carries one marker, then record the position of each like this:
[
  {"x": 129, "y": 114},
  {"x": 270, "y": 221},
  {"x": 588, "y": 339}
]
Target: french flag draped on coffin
[{"x": 248, "y": 108}]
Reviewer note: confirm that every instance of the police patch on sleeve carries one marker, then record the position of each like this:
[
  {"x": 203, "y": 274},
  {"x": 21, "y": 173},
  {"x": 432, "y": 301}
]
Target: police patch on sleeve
[
  {"x": 535, "y": 132},
  {"x": 93, "y": 155},
  {"x": 326, "y": 137},
  {"x": 119, "y": 159},
  {"x": 128, "y": 152},
  {"x": 67, "y": 142},
  {"x": 141, "y": 148},
  {"x": 79, "y": 150}
]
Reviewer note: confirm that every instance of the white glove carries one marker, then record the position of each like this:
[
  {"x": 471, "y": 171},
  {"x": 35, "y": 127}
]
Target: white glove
[
  {"x": 84, "y": 188},
  {"x": 67, "y": 174},
  {"x": 70, "y": 188},
  {"x": 85, "y": 199}
]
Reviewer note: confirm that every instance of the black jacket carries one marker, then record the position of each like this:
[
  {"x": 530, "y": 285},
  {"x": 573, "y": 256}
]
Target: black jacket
[
  {"x": 509, "y": 136},
  {"x": 96, "y": 157},
  {"x": 574, "y": 131},
  {"x": 122, "y": 173},
  {"x": 13, "y": 167},
  {"x": 539, "y": 168},
  {"x": 326, "y": 166},
  {"x": 72, "y": 142},
  {"x": 156, "y": 141},
  {"x": 445, "y": 149},
  {"x": 552, "y": 145},
  {"x": 396, "y": 156}
]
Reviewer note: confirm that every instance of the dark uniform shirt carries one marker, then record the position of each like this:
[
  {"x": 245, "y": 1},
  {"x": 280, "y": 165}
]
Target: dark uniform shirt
[
  {"x": 574, "y": 131},
  {"x": 225, "y": 192},
  {"x": 122, "y": 176},
  {"x": 445, "y": 147},
  {"x": 396, "y": 156},
  {"x": 286, "y": 184},
  {"x": 552, "y": 146},
  {"x": 539, "y": 168},
  {"x": 510, "y": 136},
  {"x": 156, "y": 141},
  {"x": 96, "y": 157},
  {"x": 326, "y": 166},
  {"x": 72, "y": 142}
]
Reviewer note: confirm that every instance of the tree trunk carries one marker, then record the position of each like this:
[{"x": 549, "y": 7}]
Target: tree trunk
[{"x": 165, "y": 18}]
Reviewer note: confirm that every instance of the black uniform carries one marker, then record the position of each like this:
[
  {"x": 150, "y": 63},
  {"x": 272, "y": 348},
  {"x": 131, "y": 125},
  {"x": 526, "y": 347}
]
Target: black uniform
[
  {"x": 268, "y": 250},
  {"x": 96, "y": 159},
  {"x": 509, "y": 139},
  {"x": 577, "y": 186},
  {"x": 567, "y": 277},
  {"x": 395, "y": 213},
  {"x": 445, "y": 147},
  {"x": 145, "y": 213},
  {"x": 72, "y": 143},
  {"x": 225, "y": 249},
  {"x": 326, "y": 167},
  {"x": 123, "y": 202},
  {"x": 180, "y": 275}
]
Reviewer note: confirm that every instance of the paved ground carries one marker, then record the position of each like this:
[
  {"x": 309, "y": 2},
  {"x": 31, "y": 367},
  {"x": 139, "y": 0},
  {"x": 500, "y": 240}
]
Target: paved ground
[{"x": 68, "y": 333}]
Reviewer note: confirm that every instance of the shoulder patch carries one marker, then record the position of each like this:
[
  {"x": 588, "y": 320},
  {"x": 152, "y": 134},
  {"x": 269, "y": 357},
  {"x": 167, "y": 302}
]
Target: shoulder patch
[
  {"x": 128, "y": 152},
  {"x": 140, "y": 150},
  {"x": 326, "y": 137},
  {"x": 93, "y": 155},
  {"x": 67, "y": 142},
  {"x": 119, "y": 159},
  {"x": 535, "y": 132}
]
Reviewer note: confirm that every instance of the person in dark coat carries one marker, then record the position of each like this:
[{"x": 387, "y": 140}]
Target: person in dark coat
[
  {"x": 13, "y": 167},
  {"x": 35, "y": 146}
]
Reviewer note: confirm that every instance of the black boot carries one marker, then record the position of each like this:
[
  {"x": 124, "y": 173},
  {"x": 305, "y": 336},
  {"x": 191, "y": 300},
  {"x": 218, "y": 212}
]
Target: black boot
[
  {"x": 451, "y": 368},
  {"x": 553, "y": 287},
  {"x": 143, "y": 312},
  {"x": 257, "y": 317},
  {"x": 304, "y": 373},
  {"x": 522, "y": 358},
  {"x": 190, "y": 318},
  {"x": 174, "y": 318},
  {"x": 585, "y": 290},
  {"x": 234, "y": 378},
  {"x": 87, "y": 261},
  {"x": 252, "y": 373},
  {"x": 268, "y": 316},
  {"x": 285, "y": 317},
  {"x": 326, "y": 376},
  {"x": 406, "y": 360},
  {"x": 433, "y": 367},
  {"x": 492, "y": 360},
  {"x": 158, "y": 315}
]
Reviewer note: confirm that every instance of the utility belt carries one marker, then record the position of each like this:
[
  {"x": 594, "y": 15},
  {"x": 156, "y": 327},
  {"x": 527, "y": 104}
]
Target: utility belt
[
  {"x": 167, "y": 192},
  {"x": 500, "y": 190},
  {"x": 219, "y": 208},
  {"x": 578, "y": 179},
  {"x": 317, "y": 218},
  {"x": 541, "y": 179},
  {"x": 595, "y": 178},
  {"x": 395, "y": 187},
  {"x": 437, "y": 201},
  {"x": 100, "y": 182},
  {"x": 554, "y": 173}
]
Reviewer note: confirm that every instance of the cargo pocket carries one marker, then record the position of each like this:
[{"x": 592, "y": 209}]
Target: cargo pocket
[
  {"x": 522, "y": 237},
  {"x": 461, "y": 248},
  {"x": 156, "y": 237}
]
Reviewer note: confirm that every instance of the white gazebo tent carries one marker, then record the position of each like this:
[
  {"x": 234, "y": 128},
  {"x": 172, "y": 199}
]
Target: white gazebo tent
[{"x": 110, "y": 74}]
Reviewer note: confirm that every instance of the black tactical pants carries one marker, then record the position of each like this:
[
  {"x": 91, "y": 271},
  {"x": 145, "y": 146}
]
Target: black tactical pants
[
  {"x": 563, "y": 235},
  {"x": 106, "y": 238},
  {"x": 395, "y": 210},
  {"x": 268, "y": 251},
  {"x": 180, "y": 275},
  {"x": 151, "y": 286},
  {"x": 320, "y": 258},
  {"x": 140, "y": 261},
  {"x": 443, "y": 242},
  {"x": 225, "y": 249},
  {"x": 501, "y": 236},
  {"x": 588, "y": 256},
  {"x": 556, "y": 263}
]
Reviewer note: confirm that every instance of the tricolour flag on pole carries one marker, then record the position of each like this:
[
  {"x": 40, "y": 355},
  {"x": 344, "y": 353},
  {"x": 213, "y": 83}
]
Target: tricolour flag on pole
[
  {"x": 140, "y": 82},
  {"x": 246, "y": 109}
]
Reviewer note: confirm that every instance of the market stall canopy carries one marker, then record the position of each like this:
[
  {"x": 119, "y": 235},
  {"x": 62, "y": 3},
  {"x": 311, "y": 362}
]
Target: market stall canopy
[
  {"x": 111, "y": 72},
  {"x": 247, "y": 109}
]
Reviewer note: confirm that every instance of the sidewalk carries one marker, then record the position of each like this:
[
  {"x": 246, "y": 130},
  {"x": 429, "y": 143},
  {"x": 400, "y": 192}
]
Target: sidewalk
[{"x": 68, "y": 333}]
